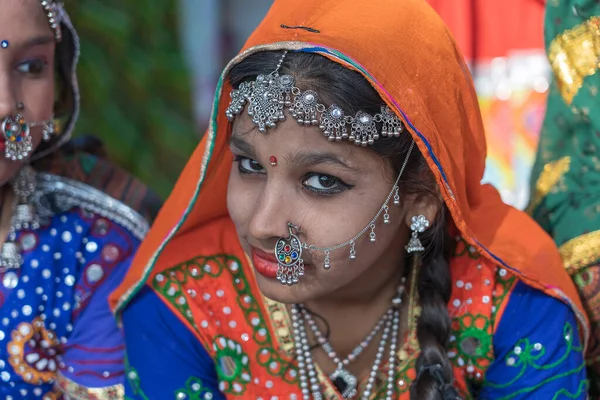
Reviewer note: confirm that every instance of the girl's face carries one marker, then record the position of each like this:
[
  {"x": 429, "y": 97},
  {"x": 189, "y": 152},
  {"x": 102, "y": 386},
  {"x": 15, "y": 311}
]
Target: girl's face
[
  {"x": 26, "y": 70},
  {"x": 331, "y": 190}
]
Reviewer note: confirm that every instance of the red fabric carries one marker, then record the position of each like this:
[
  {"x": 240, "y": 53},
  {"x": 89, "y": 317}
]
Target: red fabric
[{"x": 486, "y": 29}]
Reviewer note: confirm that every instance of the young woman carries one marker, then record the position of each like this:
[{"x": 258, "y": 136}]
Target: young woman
[
  {"x": 330, "y": 237},
  {"x": 64, "y": 244}
]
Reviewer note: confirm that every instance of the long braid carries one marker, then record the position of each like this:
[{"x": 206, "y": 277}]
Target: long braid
[{"x": 434, "y": 286}]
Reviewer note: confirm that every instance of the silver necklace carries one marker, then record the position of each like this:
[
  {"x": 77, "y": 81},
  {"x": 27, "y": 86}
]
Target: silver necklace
[{"x": 345, "y": 382}]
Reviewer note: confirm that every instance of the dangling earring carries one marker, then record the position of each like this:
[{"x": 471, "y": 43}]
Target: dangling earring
[
  {"x": 18, "y": 139},
  {"x": 24, "y": 217},
  {"x": 419, "y": 223},
  {"x": 290, "y": 265},
  {"x": 48, "y": 130},
  {"x": 24, "y": 186}
]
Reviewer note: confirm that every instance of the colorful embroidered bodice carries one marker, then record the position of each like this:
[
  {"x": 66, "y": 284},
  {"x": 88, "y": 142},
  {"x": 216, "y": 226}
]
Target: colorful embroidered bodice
[
  {"x": 213, "y": 336},
  {"x": 57, "y": 333}
]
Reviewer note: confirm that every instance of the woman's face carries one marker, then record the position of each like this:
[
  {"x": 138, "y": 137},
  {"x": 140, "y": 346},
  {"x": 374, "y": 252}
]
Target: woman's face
[
  {"x": 26, "y": 70},
  {"x": 331, "y": 190}
]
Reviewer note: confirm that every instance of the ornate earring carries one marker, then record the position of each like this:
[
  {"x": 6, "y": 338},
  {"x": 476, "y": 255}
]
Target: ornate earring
[
  {"x": 24, "y": 217},
  {"x": 48, "y": 130},
  {"x": 290, "y": 265},
  {"x": 419, "y": 224}
]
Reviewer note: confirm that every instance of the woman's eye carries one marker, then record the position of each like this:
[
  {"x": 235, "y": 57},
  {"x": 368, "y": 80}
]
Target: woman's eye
[
  {"x": 324, "y": 184},
  {"x": 32, "y": 67},
  {"x": 248, "y": 165}
]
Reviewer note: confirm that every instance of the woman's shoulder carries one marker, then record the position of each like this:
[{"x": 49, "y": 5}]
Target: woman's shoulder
[
  {"x": 59, "y": 197},
  {"x": 494, "y": 313}
]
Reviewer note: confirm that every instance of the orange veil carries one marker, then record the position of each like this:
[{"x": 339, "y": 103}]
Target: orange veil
[{"x": 406, "y": 52}]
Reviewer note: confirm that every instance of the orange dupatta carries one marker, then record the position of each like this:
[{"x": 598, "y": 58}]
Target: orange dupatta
[{"x": 405, "y": 51}]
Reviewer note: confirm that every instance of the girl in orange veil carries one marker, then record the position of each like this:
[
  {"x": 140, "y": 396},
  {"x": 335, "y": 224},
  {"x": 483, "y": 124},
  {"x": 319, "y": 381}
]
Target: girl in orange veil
[{"x": 315, "y": 268}]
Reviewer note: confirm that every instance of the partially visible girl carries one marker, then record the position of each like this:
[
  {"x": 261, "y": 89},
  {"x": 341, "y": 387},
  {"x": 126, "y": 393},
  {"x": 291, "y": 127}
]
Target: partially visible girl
[{"x": 65, "y": 242}]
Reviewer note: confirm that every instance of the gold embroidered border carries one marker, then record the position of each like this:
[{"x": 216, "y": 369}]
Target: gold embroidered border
[
  {"x": 549, "y": 177},
  {"x": 581, "y": 251},
  {"x": 76, "y": 391},
  {"x": 574, "y": 55}
]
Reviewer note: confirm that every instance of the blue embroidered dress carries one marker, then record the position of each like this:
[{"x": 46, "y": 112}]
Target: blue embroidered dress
[{"x": 57, "y": 334}]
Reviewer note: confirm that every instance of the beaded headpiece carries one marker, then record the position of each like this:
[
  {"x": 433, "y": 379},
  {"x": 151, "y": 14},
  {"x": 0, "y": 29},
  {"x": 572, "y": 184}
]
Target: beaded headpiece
[
  {"x": 269, "y": 95},
  {"x": 52, "y": 10}
]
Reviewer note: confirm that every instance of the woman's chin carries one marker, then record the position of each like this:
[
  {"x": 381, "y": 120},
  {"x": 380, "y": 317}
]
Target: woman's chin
[{"x": 287, "y": 294}]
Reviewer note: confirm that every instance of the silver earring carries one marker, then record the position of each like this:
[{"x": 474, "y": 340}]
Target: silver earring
[
  {"x": 48, "y": 130},
  {"x": 419, "y": 223},
  {"x": 290, "y": 265},
  {"x": 24, "y": 217},
  {"x": 23, "y": 186}
]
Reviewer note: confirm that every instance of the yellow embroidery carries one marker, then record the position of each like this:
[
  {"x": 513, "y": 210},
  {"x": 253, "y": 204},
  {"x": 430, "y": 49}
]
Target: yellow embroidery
[
  {"x": 574, "y": 55},
  {"x": 581, "y": 251},
  {"x": 76, "y": 391},
  {"x": 550, "y": 176}
]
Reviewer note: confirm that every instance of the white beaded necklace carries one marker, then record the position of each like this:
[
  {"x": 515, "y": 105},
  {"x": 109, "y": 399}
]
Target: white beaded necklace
[{"x": 344, "y": 381}]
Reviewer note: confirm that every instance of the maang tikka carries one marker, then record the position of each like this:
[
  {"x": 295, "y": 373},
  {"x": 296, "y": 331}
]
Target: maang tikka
[{"x": 268, "y": 96}]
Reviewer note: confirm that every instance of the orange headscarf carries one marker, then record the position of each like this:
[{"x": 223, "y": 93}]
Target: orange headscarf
[{"x": 405, "y": 51}]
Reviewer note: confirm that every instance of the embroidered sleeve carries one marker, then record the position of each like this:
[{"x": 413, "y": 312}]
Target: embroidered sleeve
[
  {"x": 92, "y": 361},
  {"x": 537, "y": 350},
  {"x": 164, "y": 359}
]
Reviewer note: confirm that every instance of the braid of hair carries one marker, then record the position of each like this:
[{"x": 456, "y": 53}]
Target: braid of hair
[{"x": 434, "y": 372}]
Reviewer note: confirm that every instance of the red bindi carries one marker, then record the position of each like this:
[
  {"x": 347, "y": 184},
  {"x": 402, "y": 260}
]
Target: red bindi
[{"x": 273, "y": 160}]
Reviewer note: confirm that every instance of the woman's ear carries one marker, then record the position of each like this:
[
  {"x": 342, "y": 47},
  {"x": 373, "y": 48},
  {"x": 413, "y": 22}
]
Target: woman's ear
[{"x": 421, "y": 204}]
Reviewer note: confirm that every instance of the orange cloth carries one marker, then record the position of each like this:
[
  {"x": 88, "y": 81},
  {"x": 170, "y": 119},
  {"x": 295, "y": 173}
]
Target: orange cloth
[{"x": 407, "y": 53}]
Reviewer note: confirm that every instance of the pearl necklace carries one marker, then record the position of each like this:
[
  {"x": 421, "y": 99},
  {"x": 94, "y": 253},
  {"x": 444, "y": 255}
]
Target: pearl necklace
[{"x": 343, "y": 380}]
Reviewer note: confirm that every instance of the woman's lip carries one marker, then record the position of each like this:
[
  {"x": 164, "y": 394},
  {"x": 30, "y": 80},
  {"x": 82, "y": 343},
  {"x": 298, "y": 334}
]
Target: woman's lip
[
  {"x": 264, "y": 255},
  {"x": 264, "y": 263}
]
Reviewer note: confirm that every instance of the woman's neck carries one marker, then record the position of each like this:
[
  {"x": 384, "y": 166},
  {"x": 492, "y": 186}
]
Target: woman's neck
[{"x": 353, "y": 311}]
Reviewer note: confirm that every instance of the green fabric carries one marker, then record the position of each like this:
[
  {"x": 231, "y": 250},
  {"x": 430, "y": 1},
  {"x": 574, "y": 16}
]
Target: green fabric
[
  {"x": 567, "y": 166},
  {"x": 572, "y": 207},
  {"x": 135, "y": 90}
]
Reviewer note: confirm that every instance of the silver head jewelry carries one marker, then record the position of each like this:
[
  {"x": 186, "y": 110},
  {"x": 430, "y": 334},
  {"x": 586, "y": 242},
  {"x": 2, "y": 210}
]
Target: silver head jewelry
[
  {"x": 269, "y": 95},
  {"x": 52, "y": 11},
  {"x": 288, "y": 251},
  {"x": 68, "y": 49}
]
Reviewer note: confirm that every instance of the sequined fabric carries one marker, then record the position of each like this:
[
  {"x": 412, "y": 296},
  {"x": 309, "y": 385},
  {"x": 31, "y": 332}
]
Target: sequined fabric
[{"x": 54, "y": 319}]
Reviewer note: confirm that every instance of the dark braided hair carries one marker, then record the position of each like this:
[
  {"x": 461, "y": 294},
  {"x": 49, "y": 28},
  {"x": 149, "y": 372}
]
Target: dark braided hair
[{"x": 348, "y": 89}]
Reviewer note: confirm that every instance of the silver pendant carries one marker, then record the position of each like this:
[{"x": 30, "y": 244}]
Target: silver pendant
[
  {"x": 290, "y": 265},
  {"x": 10, "y": 256},
  {"x": 345, "y": 382}
]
